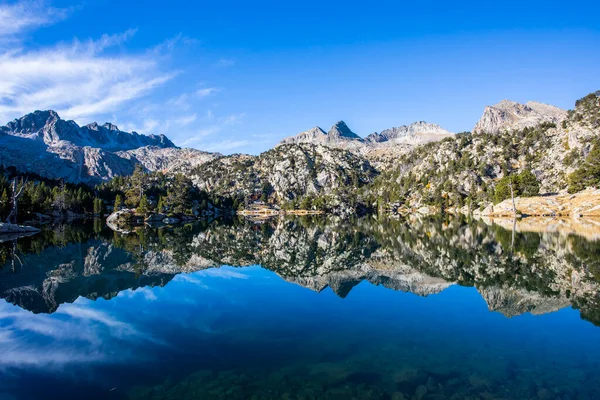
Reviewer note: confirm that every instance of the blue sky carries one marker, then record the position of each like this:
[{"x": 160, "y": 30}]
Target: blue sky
[{"x": 234, "y": 76}]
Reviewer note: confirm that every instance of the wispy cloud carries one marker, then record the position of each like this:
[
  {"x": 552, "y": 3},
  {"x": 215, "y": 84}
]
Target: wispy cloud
[
  {"x": 101, "y": 79},
  {"x": 106, "y": 41},
  {"x": 198, "y": 138},
  {"x": 27, "y": 15},
  {"x": 224, "y": 273},
  {"x": 75, "y": 334},
  {"x": 206, "y": 92},
  {"x": 186, "y": 119},
  {"x": 77, "y": 80}
]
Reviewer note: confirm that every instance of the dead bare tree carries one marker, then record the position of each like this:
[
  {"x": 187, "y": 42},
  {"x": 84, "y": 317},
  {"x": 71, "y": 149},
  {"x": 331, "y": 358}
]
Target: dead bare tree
[
  {"x": 512, "y": 196},
  {"x": 17, "y": 192}
]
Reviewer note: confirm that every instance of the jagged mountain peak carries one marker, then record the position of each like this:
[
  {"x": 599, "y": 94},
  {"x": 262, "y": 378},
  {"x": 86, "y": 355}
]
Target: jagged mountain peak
[
  {"x": 48, "y": 127},
  {"x": 339, "y": 133},
  {"x": 341, "y": 130},
  {"x": 111, "y": 127},
  {"x": 510, "y": 115},
  {"x": 43, "y": 143},
  {"x": 33, "y": 122},
  {"x": 415, "y": 133}
]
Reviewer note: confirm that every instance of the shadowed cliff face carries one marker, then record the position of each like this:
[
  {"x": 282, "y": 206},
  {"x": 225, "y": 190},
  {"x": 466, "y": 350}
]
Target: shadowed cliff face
[{"x": 514, "y": 273}]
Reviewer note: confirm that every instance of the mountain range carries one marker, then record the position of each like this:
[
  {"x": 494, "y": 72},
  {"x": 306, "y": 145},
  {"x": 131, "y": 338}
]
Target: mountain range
[
  {"x": 420, "y": 166},
  {"x": 43, "y": 143}
]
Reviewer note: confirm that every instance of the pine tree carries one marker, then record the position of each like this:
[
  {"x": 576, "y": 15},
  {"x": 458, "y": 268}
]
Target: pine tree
[
  {"x": 98, "y": 206},
  {"x": 528, "y": 184},
  {"x": 139, "y": 180},
  {"x": 143, "y": 207},
  {"x": 118, "y": 202},
  {"x": 161, "y": 205},
  {"x": 4, "y": 203}
]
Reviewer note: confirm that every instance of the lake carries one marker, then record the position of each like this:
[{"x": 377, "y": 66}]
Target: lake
[{"x": 301, "y": 308}]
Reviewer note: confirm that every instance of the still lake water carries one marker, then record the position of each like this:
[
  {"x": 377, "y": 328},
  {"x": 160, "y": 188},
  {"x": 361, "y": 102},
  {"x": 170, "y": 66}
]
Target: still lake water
[{"x": 304, "y": 308}]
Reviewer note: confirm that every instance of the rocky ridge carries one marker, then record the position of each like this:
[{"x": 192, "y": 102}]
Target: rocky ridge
[
  {"x": 287, "y": 172},
  {"x": 509, "y": 115},
  {"x": 376, "y": 146},
  {"x": 45, "y": 144}
]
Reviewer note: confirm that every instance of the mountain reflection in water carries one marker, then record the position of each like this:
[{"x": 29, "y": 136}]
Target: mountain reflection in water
[
  {"x": 530, "y": 272},
  {"x": 250, "y": 335}
]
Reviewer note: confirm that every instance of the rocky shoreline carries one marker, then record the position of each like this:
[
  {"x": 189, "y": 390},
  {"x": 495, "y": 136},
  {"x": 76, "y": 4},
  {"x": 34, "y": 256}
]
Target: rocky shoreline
[
  {"x": 582, "y": 204},
  {"x": 13, "y": 231}
]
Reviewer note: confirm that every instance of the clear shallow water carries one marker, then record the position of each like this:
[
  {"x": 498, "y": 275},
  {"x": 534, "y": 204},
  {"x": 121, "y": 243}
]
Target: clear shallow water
[{"x": 249, "y": 332}]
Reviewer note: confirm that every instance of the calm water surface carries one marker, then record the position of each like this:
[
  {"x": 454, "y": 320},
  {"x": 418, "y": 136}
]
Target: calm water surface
[{"x": 301, "y": 309}]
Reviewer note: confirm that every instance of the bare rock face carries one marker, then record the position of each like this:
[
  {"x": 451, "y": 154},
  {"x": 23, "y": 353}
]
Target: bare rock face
[
  {"x": 509, "y": 115},
  {"x": 512, "y": 302},
  {"x": 43, "y": 143},
  {"x": 48, "y": 127},
  {"x": 340, "y": 131},
  {"x": 339, "y": 136},
  {"x": 291, "y": 170},
  {"x": 413, "y": 134},
  {"x": 381, "y": 149}
]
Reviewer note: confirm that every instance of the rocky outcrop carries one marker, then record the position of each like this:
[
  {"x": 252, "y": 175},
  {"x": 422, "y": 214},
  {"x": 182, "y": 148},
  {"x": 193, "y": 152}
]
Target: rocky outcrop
[
  {"x": 513, "y": 302},
  {"x": 339, "y": 136},
  {"x": 550, "y": 144},
  {"x": 509, "y": 115},
  {"x": 582, "y": 204},
  {"x": 288, "y": 172},
  {"x": 120, "y": 221},
  {"x": 10, "y": 232}
]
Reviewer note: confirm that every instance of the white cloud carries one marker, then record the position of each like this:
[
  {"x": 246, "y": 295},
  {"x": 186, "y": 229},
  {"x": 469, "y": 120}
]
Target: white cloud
[
  {"x": 78, "y": 334},
  {"x": 186, "y": 119},
  {"x": 206, "y": 92},
  {"x": 106, "y": 41},
  {"x": 224, "y": 273},
  {"x": 99, "y": 79},
  {"x": 77, "y": 79},
  {"x": 197, "y": 138},
  {"x": 181, "y": 102},
  {"x": 21, "y": 16}
]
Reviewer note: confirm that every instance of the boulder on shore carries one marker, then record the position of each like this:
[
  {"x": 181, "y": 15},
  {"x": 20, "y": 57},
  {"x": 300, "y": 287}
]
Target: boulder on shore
[
  {"x": 120, "y": 221},
  {"x": 14, "y": 231}
]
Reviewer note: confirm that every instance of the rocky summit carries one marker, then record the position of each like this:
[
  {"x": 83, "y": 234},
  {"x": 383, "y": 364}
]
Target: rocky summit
[
  {"x": 509, "y": 115},
  {"x": 413, "y": 134},
  {"x": 339, "y": 136},
  {"x": 381, "y": 149},
  {"x": 45, "y": 144}
]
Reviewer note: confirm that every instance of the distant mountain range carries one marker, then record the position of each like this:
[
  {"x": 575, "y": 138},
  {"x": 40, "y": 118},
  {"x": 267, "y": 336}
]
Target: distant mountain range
[
  {"x": 43, "y": 143},
  {"x": 341, "y": 136}
]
